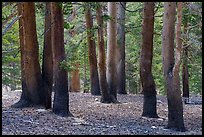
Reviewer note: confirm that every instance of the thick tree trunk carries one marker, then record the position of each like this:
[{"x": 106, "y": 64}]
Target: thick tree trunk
[
  {"x": 120, "y": 50},
  {"x": 32, "y": 82},
  {"x": 61, "y": 96},
  {"x": 95, "y": 87},
  {"x": 111, "y": 51},
  {"x": 105, "y": 96},
  {"x": 175, "y": 106},
  {"x": 146, "y": 54},
  {"x": 47, "y": 64}
]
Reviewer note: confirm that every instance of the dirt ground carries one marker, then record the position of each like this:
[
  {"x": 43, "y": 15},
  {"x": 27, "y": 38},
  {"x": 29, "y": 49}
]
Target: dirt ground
[{"x": 94, "y": 118}]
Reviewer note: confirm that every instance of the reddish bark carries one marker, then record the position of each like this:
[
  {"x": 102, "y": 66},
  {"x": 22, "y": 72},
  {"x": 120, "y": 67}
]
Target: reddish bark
[
  {"x": 175, "y": 106},
  {"x": 95, "y": 87},
  {"x": 60, "y": 79},
  {"x": 146, "y": 54}
]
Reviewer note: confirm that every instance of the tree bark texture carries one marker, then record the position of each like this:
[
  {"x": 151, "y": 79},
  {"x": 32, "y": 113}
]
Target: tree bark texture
[
  {"x": 47, "y": 64},
  {"x": 95, "y": 87},
  {"x": 111, "y": 50},
  {"x": 120, "y": 50},
  {"x": 105, "y": 95},
  {"x": 85, "y": 70},
  {"x": 61, "y": 95},
  {"x": 146, "y": 55},
  {"x": 175, "y": 106},
  {"x": 185, "y": 73},
  {"x": 75, "y": 78},
  {"x": 32, "y": 82}
]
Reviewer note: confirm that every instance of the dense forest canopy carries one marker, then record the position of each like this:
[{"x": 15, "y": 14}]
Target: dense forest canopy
[{"x": 77, "y": 50}]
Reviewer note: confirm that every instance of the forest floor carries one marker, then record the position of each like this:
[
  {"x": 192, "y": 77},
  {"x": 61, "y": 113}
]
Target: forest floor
[{"x": 94, "y": 118}]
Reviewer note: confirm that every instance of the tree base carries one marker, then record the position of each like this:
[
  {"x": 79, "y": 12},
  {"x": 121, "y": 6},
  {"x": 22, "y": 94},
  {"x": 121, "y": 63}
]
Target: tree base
[
  {"x": 63, "y": 113},
  {"x": 105, "y": 101},
  {"x": 122, "y": 92},
  {"x": 22, "y": 103},
  {"x": 99, "y": 94},
  {"x": 150, "y": 115},
  {"x": 181, "y": 129},
  {"x": 114, "y": 100}
]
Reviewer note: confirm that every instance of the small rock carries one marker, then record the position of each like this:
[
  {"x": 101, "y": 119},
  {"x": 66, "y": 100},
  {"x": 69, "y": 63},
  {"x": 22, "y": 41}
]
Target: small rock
[
  {"x": 153, "y": 127},
  {"x": 159, "y": 101},
  {"x": 160, "y": 119},
  {"x": 41, "y": 110}
]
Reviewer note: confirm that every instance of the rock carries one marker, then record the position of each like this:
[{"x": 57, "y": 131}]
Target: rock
[
  {"x": 159, "y": 101},
  {"x": 160, "y": 119},
  {"x": 153, "y": 127},
  {"x": 41, "y": 110}
]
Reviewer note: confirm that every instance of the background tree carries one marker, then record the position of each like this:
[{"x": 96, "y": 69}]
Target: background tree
[
  {"x": 61, "y": 95},
  {"x": 111, "y": 50},
  {"x": 95, "y": 87},
  {"x": 171, "y": 68},
  {"x": 146, "y": 54},
  {"x": 75, "y": 77},
  {"x": 120, "y": 49}
]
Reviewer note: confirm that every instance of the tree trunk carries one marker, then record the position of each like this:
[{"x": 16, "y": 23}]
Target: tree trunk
[
  {"x": 120, "y": 50},
  {"x": 146, "y": 54},
  {"x": 47, "y": 64},
  {"x": 32, "y": 82},
  {"x": 185, "y": 73},
  {"x": 85, "y": 80},
  {"x": 111, "y": 51},
  {"x": 175, "y": 106},
  {"x": 61, "y": 96},
  {"x": 105, "y": 96},
  {"x": 75, "y": 79},
  {"x": 95, "y": 87}
]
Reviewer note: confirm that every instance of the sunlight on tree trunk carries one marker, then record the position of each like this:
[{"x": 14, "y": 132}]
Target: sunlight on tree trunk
[
  {"x": 105, "y": 95},
  {"x": 111, "y": 50},
  {"x": 32, "y": 82},
  {"x": 171, "y": 70}
]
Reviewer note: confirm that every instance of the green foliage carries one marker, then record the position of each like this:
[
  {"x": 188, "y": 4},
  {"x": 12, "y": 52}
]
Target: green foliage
[
  {"x": 133, "y": 42},
  {"x": 10, "y": 51},
  {"x": 68, "y": 25},
  {"x": 65, "y": 65},
  {"x": 67, "y": 8}
]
